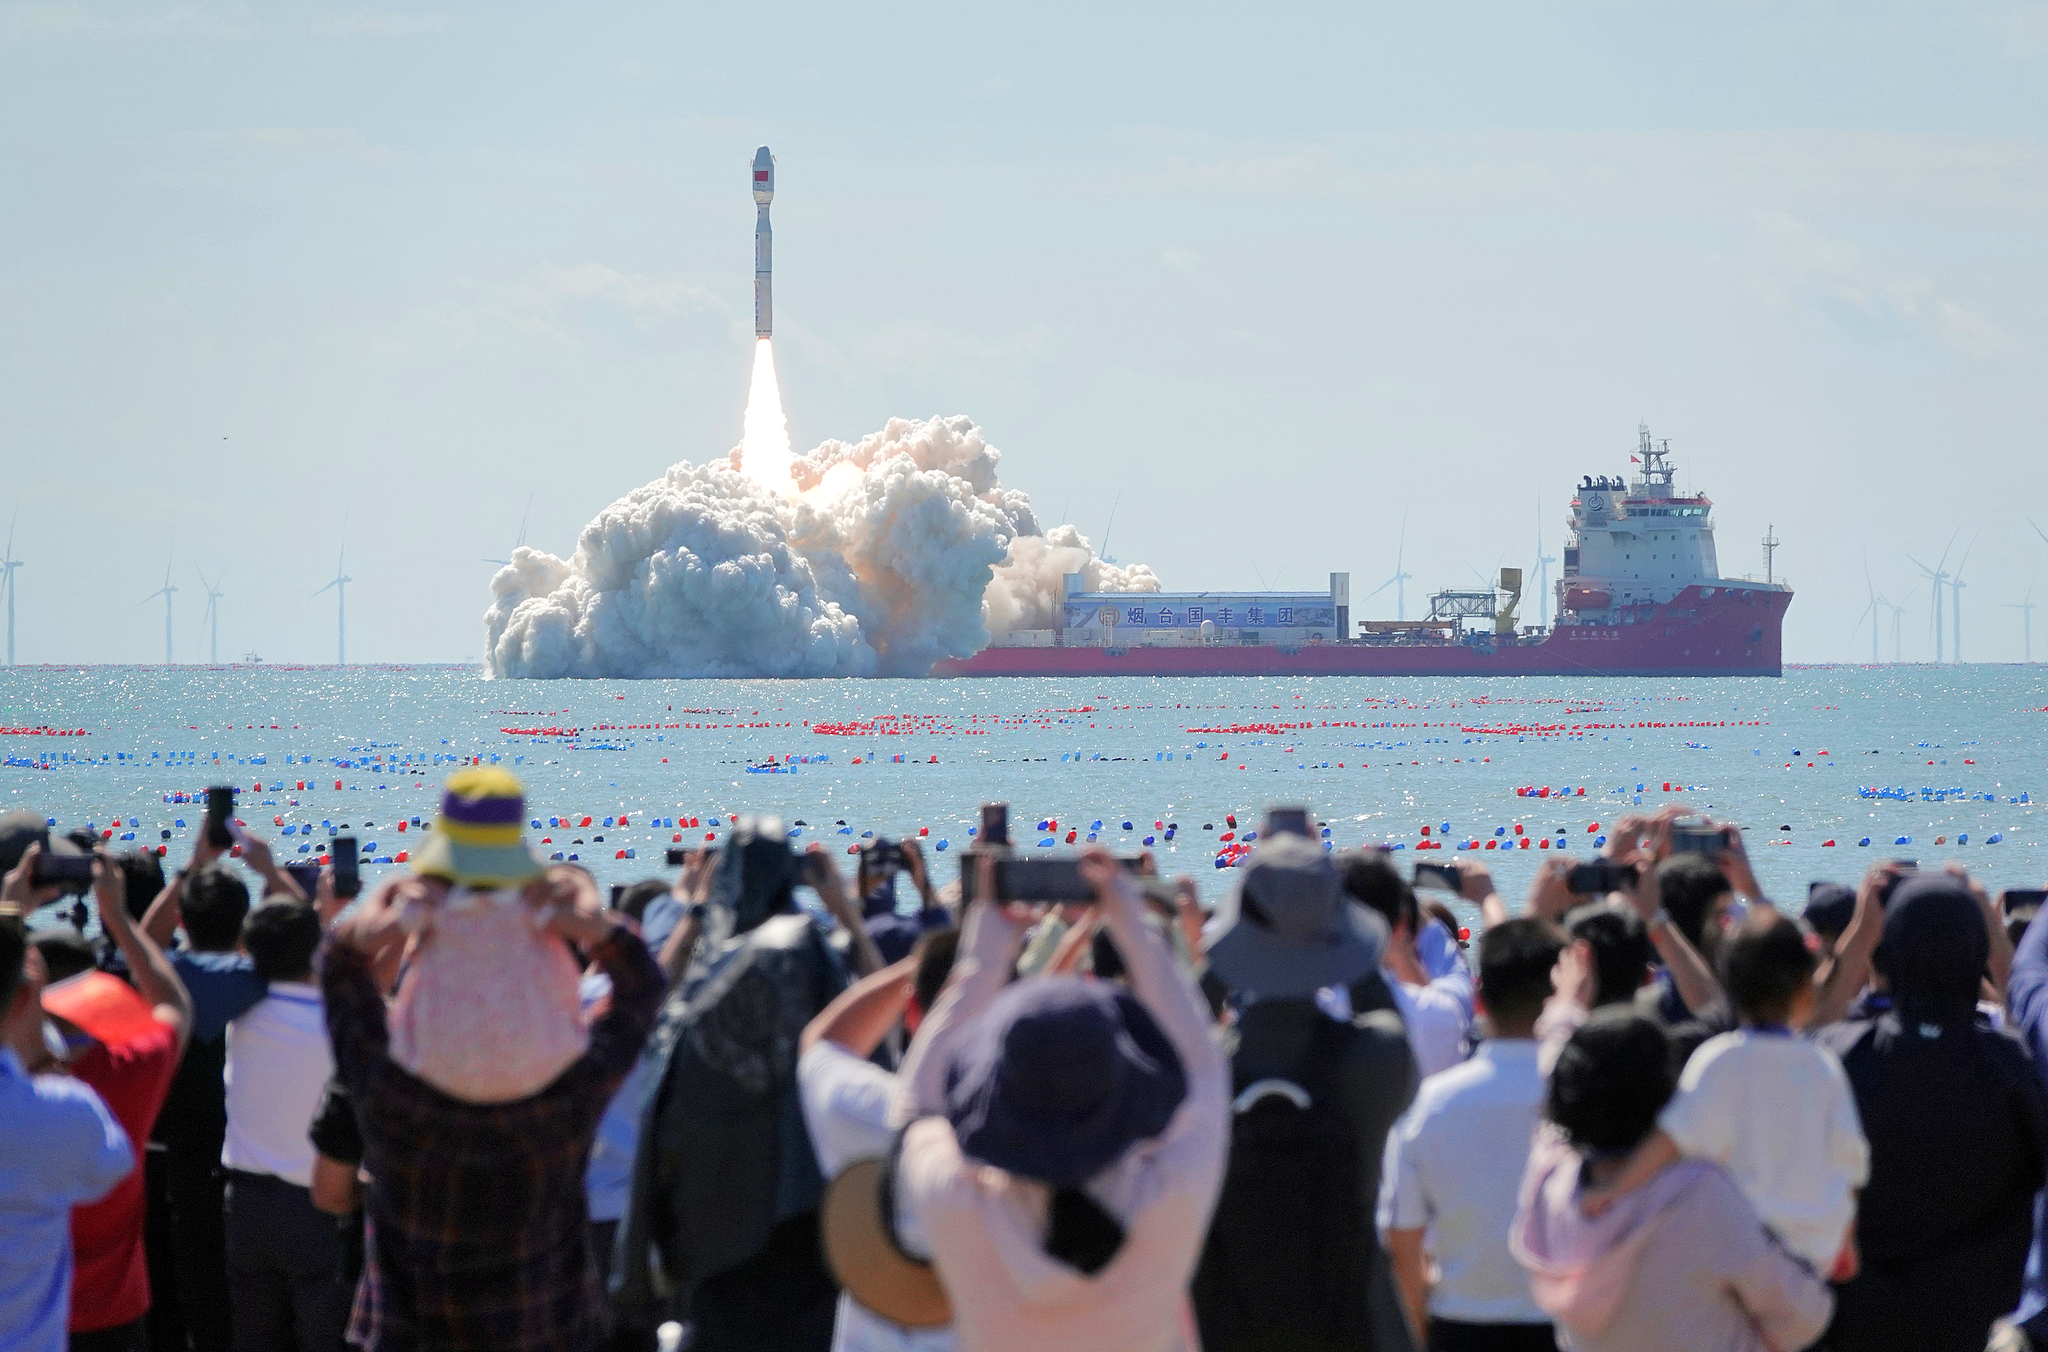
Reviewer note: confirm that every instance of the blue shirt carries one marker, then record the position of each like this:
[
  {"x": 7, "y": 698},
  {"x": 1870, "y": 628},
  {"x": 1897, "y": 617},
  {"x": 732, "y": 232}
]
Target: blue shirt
[
  {"x": 224, "y": 987},
  {"x": 63, "y": 1148}
]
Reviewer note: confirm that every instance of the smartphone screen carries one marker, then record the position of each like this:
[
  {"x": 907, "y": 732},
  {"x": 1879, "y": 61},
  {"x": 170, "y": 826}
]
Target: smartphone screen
[
  {"x": 1438, "y": 877},
  {"x": 72, "y": 872},
  {"x": 347, "y": 880},
  {"x": 307, "y": 876},
  {"x": 220, "y": 808},
  {"x": 1599, "y": 878},
  {"x": 2015, "y": 898},
  {"x": 1288, "y": 819}
]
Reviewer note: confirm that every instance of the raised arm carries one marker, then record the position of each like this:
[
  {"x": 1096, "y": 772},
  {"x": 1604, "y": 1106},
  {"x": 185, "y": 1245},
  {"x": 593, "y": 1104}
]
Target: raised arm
[
  {"x": 155, "y": 979},
  {"x": 862, "y": 1014},
  {"x": 1171, "y": 997},
  {"x": 1849, "y": 970},
  {"x": 989, "y": 946}
]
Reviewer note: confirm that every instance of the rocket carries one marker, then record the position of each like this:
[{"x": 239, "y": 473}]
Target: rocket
[{"x": 764, "y": 193}]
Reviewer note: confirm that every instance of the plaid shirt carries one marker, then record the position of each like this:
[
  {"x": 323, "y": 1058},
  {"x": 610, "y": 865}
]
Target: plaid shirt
[{"x": 476, "y": 1231}]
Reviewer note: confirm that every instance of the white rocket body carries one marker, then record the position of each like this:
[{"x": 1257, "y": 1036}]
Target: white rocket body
[{"x": 764, "y": 193}]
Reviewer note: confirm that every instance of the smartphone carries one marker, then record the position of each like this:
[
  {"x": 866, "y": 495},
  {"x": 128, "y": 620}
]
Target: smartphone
[
  {"x": 1694, "y": 836},
  {"x": 307, "y": 876},
  {"x": 618, "y": 891},
  {"x": 884, "y": 856},
  {"x": 1599, "y": 877},
  {"x": 995, "y": 825},
  {"x": 72, "y": 872},
  {"x": 1291, "y": 819},
  {"x": 220, "y": 808},
  {"x": 1050, "y": 877},
  {"x": 1901, "y": 869},
  {"x": 2016, "y": 898},
  {"x": 347, "y": 881},
  {"x": 1438, "y": 877},
  {"x": 677, "y": 858}
]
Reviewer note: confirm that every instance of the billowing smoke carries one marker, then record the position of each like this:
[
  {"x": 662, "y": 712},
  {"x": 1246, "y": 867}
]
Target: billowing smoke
[{"x": 895, "y": 551}]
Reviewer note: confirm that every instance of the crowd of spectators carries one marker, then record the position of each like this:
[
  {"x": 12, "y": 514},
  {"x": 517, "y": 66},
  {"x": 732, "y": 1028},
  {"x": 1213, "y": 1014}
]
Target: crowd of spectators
[{"x": 752, "y": 1106}]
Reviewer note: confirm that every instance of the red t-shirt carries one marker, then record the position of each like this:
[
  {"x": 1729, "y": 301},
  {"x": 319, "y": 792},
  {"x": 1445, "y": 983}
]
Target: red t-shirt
[{"x": 110, "y": 1282}]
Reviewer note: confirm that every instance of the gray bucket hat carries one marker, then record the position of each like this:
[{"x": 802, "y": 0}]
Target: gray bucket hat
[{"x": 1287, "y": 929}]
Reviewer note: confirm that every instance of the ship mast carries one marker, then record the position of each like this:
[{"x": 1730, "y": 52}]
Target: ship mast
[
  {"x": 1770, "y": 548},
  {"x": 1657, "y": 472}
]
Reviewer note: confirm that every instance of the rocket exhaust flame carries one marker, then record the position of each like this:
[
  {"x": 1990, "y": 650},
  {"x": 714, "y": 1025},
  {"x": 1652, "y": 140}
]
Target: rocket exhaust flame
[{"x": 764, "y": 450}]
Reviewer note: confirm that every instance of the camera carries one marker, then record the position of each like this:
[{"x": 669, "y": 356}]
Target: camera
[
  {"x": 1438, "y": 877},
  {"x": 1599, "y": 878},
  {"x": 1050, "y": 877}
]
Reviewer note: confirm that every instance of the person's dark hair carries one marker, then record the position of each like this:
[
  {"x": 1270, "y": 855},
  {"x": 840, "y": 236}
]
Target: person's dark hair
[
  {"x": 1687, "y": 885},
  {"x": 65, "y": 952},
  {"x": 215, "y": 903},
  {"x": 636, "y": 898},
  {"x": 1515, "y": 961},
  {"x": 13, "y": 954},
  {"x": 1829, "y": 908},
  {"x": 934, "y": 951},
  {"x": 281, "y": 936},
  {"x": 1610, "y": 1082},
  {"x": 143, "y": 874},
  {"x": 1371, "y": 879},
  {"x": 1764, "y": 964},
  {"x": 1621, "y": 948}
]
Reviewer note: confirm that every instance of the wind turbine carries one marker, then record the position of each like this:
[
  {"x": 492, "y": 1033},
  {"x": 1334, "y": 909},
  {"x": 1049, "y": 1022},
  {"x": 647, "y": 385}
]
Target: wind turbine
[
  {"x": 1543, "y": 563},
  {"x": 1938, "y": 575},
  {"x": 2026, "y": 610},
  {"x": 7, "y": 567},
  {"x": 522, "y": 531},
  {"x": 1399, "y": 578},
  {"x": 1955, "y": 602},
  {"x": 340, "y": 589},
  {"x": 1870, "y": 612},
  {"x": 212, "y": 618},
  {"x": 166, "y": 591},
  {"x": 1898, "y": 613}
]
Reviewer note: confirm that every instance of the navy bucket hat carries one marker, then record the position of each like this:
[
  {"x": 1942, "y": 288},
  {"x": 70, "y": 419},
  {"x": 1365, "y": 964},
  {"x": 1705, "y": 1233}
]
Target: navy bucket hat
[
  {"x": 1059, "y": 1077},
  {"x": 1288, "y": 929}
]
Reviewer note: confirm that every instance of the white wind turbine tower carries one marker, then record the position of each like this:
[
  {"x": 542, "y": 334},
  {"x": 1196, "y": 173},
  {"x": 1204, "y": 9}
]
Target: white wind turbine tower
[
  {"x": 1543, "y": 563},
  {"x": 2026, "y": 610},
  {"x": 1955, "y": 603},
  {"x": 1399, "y": 579},
  {"x": 1870, "y": 613},
  {"x": 1938, "y": 575},
  {"x": 340, "y": 589},
  {"x": 166, "y": 591},
  {"x": 212, "y": 618},
  {"x": 7, "y": 567}
]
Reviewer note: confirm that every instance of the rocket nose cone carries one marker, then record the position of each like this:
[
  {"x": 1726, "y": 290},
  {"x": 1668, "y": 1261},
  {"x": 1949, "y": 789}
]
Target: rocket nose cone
[{"x": 764, "y": 175}]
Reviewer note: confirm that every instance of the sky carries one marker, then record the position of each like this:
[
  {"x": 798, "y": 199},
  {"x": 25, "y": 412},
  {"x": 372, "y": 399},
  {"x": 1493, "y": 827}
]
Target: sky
[{"x": 1266, "y": 282}]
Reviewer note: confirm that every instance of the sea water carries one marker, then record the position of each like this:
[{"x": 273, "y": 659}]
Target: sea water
[{"x": 1952, "y": 758}]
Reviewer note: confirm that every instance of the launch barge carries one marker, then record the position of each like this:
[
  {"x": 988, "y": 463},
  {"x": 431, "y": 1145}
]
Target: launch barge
[{"x": 1640, "y": 595}]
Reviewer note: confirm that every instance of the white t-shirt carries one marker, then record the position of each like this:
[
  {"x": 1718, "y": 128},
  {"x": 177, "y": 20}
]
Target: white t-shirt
[
  {"x": 279, "y": 1062},
  {"x": 846, "y": 1108},
  {"x": 1439, "y": 1017},
  {"x": 1454, "y": 1166},
  {"x": 1777, "y": 1113}
]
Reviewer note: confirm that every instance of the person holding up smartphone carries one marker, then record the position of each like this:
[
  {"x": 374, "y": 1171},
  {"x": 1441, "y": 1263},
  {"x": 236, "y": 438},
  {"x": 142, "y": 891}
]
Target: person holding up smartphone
[{"x": 895, "y": 934}]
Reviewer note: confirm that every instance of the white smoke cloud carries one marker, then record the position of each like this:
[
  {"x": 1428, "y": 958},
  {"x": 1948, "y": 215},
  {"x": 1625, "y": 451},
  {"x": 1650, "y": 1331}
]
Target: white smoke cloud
[{"x": 897, "y": 550}]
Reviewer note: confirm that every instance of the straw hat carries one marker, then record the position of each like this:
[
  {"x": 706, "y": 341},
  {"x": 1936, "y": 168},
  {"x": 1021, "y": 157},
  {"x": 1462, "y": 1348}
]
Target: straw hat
[{"x": 858, "y": 1223}]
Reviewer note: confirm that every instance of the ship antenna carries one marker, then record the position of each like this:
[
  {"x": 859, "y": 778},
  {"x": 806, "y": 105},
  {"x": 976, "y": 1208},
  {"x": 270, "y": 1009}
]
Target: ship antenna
[{"x": 1770, "y": 548}]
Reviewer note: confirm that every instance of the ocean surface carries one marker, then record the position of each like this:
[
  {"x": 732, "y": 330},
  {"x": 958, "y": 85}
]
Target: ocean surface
[{"x": 1959, "y": 756}]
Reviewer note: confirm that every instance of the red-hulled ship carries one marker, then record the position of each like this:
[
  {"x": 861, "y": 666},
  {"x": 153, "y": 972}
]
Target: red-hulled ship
[{"x": 1641, "y": 595}]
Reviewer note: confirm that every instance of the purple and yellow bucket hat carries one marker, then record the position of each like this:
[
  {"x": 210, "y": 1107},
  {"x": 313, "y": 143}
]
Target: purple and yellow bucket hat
[{"x": 479, "y": 839}]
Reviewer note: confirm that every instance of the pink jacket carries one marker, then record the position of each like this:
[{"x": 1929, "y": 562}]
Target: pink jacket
[
  {"x": 1681, "y": 1264},
  {"x": 985, "y": 1228}
]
